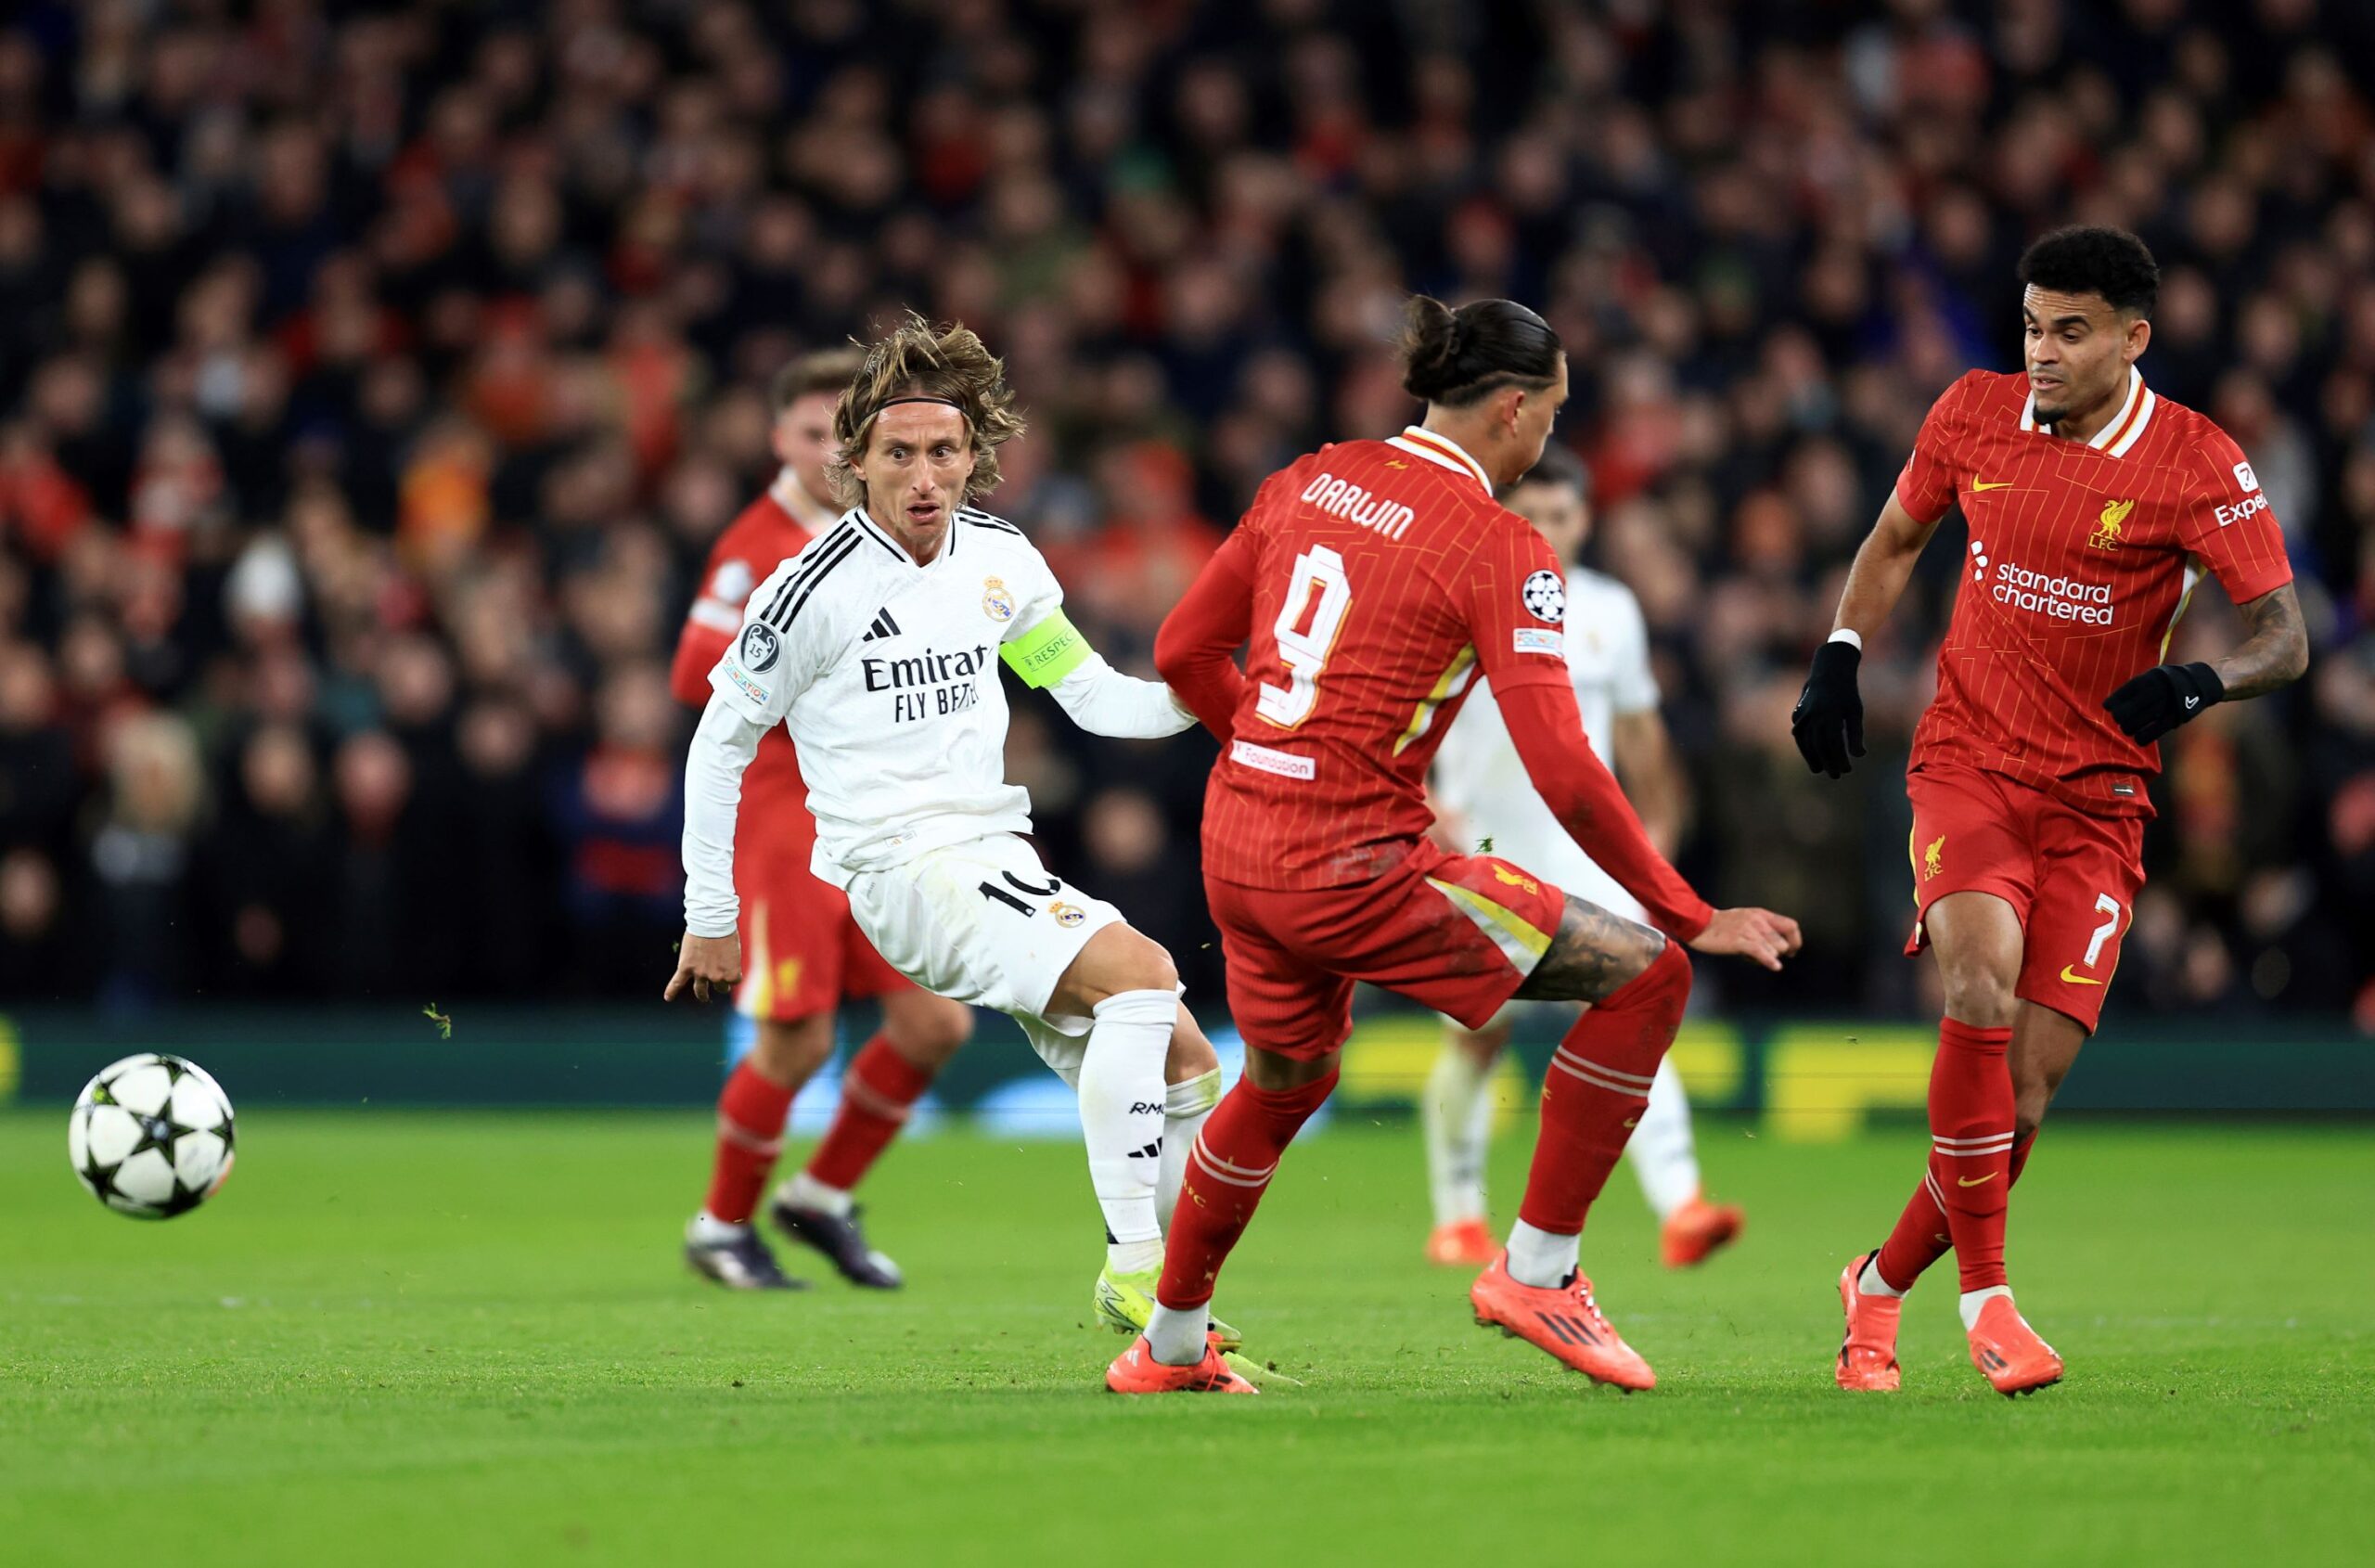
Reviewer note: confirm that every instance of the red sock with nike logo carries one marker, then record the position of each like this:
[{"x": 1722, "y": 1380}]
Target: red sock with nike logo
[
  {"x": 1920, "y": 1237},
  {"x": 1597, "y": 1087},
  {"x": 1971, "y": 1146},
  {"x": 1228, "y": 1169}
]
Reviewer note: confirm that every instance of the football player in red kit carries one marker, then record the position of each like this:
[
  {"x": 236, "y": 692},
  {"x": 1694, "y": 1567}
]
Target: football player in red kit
[
  {"x": 802, "y": 952},
  {"x": 1376, "y": 580},
  {"x": 2093, "y": 506}
]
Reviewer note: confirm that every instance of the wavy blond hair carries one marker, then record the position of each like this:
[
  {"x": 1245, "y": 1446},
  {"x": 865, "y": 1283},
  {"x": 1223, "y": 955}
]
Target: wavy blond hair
[{"x": 920, "y": 360}]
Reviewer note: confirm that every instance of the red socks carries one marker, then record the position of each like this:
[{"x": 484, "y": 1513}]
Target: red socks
[
  {"x": 1971, "y": 1147},
  {"x": 1229, "y": 1167},
  {"x": 878, "y": 1092},
  {"x": 1920, "y": 1237},
  {"x": 1596, "y": 1088},
  {"x": 750, "y": 1113}
]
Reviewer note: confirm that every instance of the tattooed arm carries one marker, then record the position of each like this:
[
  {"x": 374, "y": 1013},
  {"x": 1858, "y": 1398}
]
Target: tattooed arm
[
  {"x": 2168, "y": 695},
  {"x": 2274, "y": 653}
]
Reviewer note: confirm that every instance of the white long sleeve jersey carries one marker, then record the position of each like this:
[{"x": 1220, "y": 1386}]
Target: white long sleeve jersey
[{"x": 886, "y": 675}]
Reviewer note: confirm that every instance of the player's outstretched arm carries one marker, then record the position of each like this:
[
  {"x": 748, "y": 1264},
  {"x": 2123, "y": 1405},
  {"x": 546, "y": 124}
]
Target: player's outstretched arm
[
  {"x": 1054, "y": 656},
  {"x": 1828, "y": 724},
  {"x": 1196, "y": 650},
  {"x": 710, "y": 955},
  {"x": 2275, "y": 654}
]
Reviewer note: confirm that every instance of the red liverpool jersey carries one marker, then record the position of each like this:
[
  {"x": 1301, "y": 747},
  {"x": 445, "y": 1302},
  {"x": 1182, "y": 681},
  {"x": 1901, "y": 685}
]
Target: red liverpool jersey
[
  {"x": 2082, "y": 555},
  {"x": 753, "y": 545}
]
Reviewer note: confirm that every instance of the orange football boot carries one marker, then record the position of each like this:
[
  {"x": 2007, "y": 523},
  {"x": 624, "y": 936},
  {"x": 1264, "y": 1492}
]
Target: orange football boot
[
  {"x": 1563, "y": 1320},
  {"x": 1697, "y": 1230},
  {"x": 1464, "y": 1243},
  {"x": 2009, "y": 1351},
  {"x": 1136, "y": 1371},
  {"x": 1867, "y": 1356}
]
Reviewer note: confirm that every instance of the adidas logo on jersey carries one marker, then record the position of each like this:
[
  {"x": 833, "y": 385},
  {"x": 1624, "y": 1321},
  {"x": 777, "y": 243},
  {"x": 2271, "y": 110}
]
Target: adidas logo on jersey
[{"x": 884, "y": 627}]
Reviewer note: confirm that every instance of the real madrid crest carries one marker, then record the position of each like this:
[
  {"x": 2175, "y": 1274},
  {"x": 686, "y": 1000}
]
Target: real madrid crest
[
  {"x": 1066, "y": 915},
  {"x": 998, "y": 602}
]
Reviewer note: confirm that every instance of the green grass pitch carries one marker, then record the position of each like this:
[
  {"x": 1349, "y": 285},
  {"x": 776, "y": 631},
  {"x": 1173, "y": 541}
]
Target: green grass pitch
[{"x": 405, "y": 1338}]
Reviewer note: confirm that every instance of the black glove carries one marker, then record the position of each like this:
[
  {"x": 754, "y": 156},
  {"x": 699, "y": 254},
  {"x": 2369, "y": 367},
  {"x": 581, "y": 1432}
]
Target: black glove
[
  {"x": 2162, "y": 698},
  {"x": 1828, "y": 723}
]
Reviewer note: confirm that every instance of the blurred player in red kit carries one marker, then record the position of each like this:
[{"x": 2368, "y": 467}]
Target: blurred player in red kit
[
  {"x": 803, "y": 952},
  {"x": 2093, "y": 506},
  {"x": 1377, "y": 579}
]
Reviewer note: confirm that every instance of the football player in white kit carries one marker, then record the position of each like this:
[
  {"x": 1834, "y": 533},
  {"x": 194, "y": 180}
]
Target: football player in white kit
[
  {"x": 879, "y": 646},
  {"x": 1482, "y": 793}
]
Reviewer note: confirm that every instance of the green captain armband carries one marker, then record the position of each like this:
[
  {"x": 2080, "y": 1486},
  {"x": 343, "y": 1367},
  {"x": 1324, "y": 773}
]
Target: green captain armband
[{"x": 1047, "y": 652}]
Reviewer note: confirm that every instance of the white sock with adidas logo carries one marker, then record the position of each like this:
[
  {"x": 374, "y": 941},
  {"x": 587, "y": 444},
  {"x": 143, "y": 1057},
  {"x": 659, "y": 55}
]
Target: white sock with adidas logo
[{"x": 1120, "y": 1120}]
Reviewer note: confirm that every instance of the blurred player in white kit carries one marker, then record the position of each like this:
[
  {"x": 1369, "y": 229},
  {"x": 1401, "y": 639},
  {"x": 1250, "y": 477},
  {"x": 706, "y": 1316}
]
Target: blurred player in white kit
[{"x": 1482, "y": 793}]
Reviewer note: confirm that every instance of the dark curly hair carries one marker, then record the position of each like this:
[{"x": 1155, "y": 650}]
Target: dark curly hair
[
  {"x": 1456, "y": 356},
  {"x": 2093, "y": 259}
]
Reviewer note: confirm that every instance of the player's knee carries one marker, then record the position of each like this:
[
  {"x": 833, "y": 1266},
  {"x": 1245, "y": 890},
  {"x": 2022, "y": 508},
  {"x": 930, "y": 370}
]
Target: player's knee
[
  {"x": 1148, "y": 966},
  {"x": 1637, "y": 953},
  {"x": 787, "y": 1051},
  {"x": 928, "y": 1034},
  {"x": 1980, "y": 995}
]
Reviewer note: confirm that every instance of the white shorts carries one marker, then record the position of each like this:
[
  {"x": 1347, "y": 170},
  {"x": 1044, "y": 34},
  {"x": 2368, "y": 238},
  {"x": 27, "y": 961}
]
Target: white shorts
[{"x": 984, "y": 922}]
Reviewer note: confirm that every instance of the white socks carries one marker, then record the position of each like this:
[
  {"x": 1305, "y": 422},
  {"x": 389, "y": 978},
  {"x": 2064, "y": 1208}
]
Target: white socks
[
  {"x": 1185, "y": 1105},
  {"x": 1176, "y": 1335},
  {"x": 708, "y": 1230},
  {"x": 804, "y": 1191},
  {"x": 1973, "y": 1300},
  {"x": 1457, "y": 1111},
  {"x": 1664, "y": 1160},
  {"x": 1870, "y": 1283},
  {"x": 1539, "y": 1258},
  {"x": 1121, "y": 1117}
]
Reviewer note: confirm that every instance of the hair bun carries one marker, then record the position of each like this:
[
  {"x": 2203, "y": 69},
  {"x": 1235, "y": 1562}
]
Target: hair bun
[{"x": 1454, "y": 356}]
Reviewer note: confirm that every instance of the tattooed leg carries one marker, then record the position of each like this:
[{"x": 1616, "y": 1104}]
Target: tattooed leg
[{"x": 1595, "y": 953}]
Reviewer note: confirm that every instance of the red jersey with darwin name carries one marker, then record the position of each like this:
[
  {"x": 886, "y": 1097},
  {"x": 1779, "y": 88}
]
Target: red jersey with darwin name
[
  {"x": 2082, "y": 555},
  {"x": 1385, "y": 578},
  {"x": 753, "y": 545}
]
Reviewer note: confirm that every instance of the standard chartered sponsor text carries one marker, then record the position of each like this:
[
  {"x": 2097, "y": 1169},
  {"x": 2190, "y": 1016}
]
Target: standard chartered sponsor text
[{"x": 2063, "y": 598}]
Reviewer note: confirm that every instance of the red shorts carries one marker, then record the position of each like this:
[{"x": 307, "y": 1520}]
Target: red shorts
[
  {"x": 1459, "y": 933},
  {"x": 2070, "y": 876},
  {"x": 802, "y": 951}
]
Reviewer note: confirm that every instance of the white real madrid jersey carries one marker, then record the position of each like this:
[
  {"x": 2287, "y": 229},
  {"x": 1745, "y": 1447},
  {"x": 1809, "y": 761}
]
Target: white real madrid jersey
[
  {"x": 1478, "y": 773},
  {"x": 886, "y": 674}
]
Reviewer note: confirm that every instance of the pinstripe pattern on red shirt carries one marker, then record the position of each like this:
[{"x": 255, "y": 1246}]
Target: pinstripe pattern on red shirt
[
  {"x": 2079, "y": 561},
  {"x": 1433, "y": 598}
]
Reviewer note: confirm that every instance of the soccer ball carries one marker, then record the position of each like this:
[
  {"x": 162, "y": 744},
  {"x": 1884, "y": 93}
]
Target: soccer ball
[{"x": 150, "y": 1136}]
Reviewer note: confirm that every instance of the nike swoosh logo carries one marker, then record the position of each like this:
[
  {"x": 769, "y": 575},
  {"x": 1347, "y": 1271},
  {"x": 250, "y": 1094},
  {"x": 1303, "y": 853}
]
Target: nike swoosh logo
[
  {"x": 1978, "y": 484},
  {"x": 1632, "y": 1121},
  {"x": 2191, "y": 703},
  {"x": 1979, "y": 1181},
  {"x": 2070, "y": 979}
]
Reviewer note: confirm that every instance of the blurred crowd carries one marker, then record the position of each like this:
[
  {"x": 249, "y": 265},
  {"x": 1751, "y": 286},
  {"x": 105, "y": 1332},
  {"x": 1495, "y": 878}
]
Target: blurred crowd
[{"x": 373, "y": 378}]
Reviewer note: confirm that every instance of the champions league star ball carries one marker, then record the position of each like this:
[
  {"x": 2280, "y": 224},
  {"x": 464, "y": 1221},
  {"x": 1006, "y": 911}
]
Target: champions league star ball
[{"x": 150, "y": 1136}]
